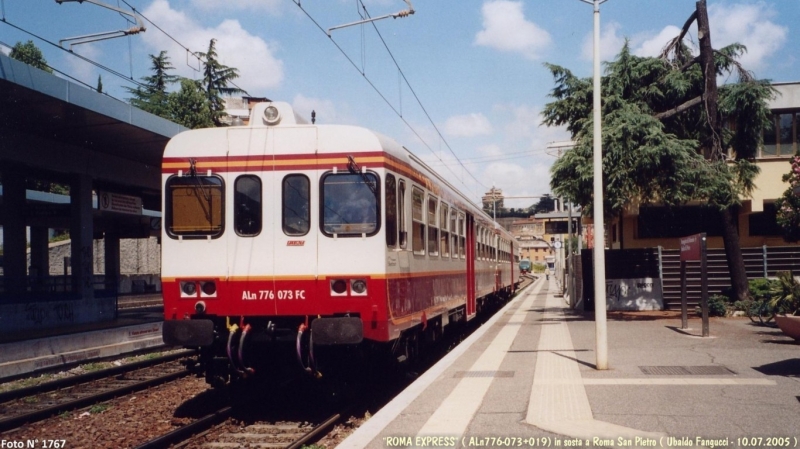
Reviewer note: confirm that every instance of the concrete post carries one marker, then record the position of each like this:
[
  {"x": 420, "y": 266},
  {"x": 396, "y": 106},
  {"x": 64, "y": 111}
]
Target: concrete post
[
  {"x": 112, "y": 261},
  {"x": 40, "y": 257},
  {"x": 81, "y": 229},
  {"x": 15, "y": 270}
]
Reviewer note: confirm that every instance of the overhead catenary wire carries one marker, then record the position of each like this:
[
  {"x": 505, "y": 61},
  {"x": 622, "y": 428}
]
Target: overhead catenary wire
[
  {"x": 90, "y": 61},
  {"x": 188, "y": 50},
  {"x": 394, "y": 60},
  {"x": 383, "y": 97}
]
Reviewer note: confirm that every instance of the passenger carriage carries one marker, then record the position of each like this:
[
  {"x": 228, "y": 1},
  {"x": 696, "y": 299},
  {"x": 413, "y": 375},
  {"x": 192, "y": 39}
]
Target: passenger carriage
[{"x": 282, "y": 230}]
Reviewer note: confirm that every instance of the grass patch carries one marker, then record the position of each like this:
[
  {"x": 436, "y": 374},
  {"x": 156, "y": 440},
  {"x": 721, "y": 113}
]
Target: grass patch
[{"x": 98, "y": 408}]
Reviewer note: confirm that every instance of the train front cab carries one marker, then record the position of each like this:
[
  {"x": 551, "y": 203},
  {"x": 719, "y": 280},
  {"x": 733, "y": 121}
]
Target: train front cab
[{"x": 270, "y": 277}]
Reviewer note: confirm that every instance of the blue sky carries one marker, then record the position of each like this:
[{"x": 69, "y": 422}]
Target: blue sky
[{"x": 475, "y": 65}]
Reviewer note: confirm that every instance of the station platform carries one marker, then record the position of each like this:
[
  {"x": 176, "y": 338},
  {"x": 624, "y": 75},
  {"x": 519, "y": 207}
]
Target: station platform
[
  {"x": 135, "y": 329},
  {"x": 527, "y": 378}
]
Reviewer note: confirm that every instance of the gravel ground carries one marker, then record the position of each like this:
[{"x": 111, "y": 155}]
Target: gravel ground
[
  {"x": 120, "y": 423},
  {"x": 38, "y": 379}
]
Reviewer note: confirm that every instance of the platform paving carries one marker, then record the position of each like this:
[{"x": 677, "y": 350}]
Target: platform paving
[
  {"x": 45, "y": 349},
  {"x": 527, "y": 378}
]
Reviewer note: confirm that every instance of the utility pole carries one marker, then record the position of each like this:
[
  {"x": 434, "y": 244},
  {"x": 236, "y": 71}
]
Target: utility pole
[{"x": 601, "y": 329}]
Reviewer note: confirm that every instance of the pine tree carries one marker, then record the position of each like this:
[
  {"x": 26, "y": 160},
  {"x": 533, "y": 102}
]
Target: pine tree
[
  {"x": 216, "y": 80},
  {"x": 660, "y": 144},
  {"x": 153, "y": 96}
]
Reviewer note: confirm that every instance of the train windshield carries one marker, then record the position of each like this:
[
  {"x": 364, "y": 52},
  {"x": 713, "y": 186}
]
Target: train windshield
[
  {"x": 350, "y": 204},
  {"x": 194, "y": 206}
]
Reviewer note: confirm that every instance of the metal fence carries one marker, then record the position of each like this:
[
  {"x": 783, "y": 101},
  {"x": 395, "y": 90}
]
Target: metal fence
[{"x": 665, "y": 264}]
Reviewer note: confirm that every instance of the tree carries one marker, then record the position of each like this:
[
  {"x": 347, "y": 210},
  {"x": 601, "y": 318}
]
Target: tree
[
  {"x": 662, "y": 136},
  {"x": 545, "y": 204},
  {"x": 189, "y": 106},
  {"x": 216, "y": 80},
  {"x": 153, "y": 96},
  {"x": 30, "y": 54},
  {"x": 788, "y": 204},
  {"x": 99, "y": 84}
]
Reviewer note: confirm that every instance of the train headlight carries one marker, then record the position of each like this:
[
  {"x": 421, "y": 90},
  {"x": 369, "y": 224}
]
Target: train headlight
[
  {"x": 189, "y": 288},
  {"x": 209, "y": 288},
  {"x": 200, "y": 307},
  {"x": 338, "y": 287},
  {"x": 358, "y": 287},
  {"x": 272, "y": 115}
]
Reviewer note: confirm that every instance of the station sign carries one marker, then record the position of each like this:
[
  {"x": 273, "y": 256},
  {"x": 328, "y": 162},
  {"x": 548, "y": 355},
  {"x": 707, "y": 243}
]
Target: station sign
[
  {"x": 560, "y": 227},
  {"x": 119, "y": 203},
  {"x": 690, "y": 247}
]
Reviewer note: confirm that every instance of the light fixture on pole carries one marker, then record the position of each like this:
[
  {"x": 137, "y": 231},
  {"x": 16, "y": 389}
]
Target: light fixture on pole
[{"x": 601, "y": 329}]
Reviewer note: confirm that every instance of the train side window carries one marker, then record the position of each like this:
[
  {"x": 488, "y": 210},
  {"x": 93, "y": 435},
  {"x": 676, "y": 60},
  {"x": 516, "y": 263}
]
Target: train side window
[
  {"x": 444, "y": 247},
  {"x": 349, "y": 204},
  {"x": 195, "y": 206},
  {"x": 454, "y": 233},
  {"x": 433, "y": 229},
  {"x": 478, "y": 243},
  {"x": 462, "y": 242},
  {"x": 296, "y": 205},
  {"x": 418, "y": 221},
  {"x": 247, "y": 205},
  {"x": 401, "y": 209},
  {"x": 391, "y": 211}
]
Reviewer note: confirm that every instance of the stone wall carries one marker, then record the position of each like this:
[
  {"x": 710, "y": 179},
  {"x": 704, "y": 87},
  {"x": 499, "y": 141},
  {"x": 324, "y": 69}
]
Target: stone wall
[{"x": 140, "y": 262}]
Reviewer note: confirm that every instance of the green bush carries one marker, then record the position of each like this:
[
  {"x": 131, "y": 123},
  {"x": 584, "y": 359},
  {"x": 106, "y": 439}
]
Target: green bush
[
  {"x": 717, "y": 306},
  {"x": 760, "y": 288}
]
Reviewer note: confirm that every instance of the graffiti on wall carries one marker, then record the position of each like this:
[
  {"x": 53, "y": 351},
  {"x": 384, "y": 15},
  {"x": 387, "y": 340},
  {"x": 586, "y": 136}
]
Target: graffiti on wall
[{"x": 634, "y": 294}]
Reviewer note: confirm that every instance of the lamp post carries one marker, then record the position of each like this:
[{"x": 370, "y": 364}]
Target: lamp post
[{"x": 601, "y": 330}]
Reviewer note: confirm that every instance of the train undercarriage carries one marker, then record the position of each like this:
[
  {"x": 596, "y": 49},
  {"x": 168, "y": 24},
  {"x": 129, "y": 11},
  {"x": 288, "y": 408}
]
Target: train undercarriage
[{"x": 232, "y": 350}]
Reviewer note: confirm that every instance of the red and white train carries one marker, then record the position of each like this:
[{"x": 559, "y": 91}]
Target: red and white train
[{"x": 287, "y": 234}]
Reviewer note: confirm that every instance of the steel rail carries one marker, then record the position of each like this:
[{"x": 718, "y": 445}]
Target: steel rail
[
  {"x": 41, "y": 414},
  {"x": 185, "y": 432},
  {"x": 87, "y": 377}
]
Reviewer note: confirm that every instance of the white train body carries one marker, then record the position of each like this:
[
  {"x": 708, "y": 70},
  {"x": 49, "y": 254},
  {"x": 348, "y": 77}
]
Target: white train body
[{"x": 281, "y": 224}]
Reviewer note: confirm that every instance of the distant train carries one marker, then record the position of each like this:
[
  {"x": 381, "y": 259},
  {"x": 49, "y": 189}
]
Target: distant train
[
  {"x": 525, "y": 266},
  {"x": 282, "y": 236}
]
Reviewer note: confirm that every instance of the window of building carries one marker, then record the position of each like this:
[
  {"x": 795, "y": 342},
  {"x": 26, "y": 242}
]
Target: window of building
[
  {"x": 660, "y": 222},
  {"x": 247, "y": 205},
  {"x": 783, "y": 137},
  {"x": 195, "y": 206},
  {"x": 349, "y": 204},
  {"x": 765, "y": 224}
]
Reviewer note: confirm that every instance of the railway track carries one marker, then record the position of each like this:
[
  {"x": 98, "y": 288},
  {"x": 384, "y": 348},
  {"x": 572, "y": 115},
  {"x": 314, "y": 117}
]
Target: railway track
[
  {"x": 216, "y": 431},
  {"x": 39, "y": 402}
]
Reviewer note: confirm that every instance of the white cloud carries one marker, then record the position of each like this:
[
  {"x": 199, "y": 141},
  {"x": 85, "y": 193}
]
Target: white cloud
[
  {"x": 469, "y": 125},
  {"x": 259, "y": 68},
  {"x": 525, "y": 121},
  {"x": 270, "y": 6},
  {"x": 80, "y": 69},
  {"x": 610, "y": 43},
  {"x": 505, "y": 29},
  {"x": 750, "y": 25},
  {"x": 652, "y": 46},
  {"x": 519, "y": 180},
  {"x": 326, "y": 112}
]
